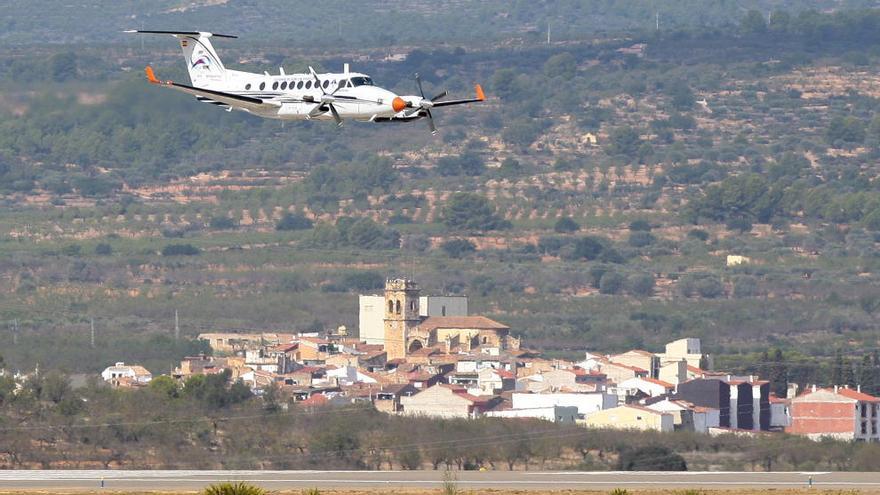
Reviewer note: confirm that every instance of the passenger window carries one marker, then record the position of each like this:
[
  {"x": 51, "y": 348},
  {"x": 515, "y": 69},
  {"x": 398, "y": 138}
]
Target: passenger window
[
  {"x": 275, "y": 85},
  {"x": 284, "y": 85},
  {"x": 308, "y": 84},
  {"x": 299, "y": 85},
  {"x": 262, "y": 86},
  {"x": 247, "y": 86},
  {"x": 326, "y": 83}
]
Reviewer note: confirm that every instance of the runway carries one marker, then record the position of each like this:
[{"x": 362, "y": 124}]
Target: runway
[{"x": 90, "y": 481}]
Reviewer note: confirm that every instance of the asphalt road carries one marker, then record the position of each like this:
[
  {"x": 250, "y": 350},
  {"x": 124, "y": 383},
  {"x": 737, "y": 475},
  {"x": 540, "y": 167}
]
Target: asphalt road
[{"x": 383, "y": 480}]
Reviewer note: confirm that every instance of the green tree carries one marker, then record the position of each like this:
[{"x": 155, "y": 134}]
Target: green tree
[
  {"x": 753, "y": 24},
  {"x": 293, "y": 221},
  {"x": 469, "y": 211},
  {"x": 63, "y": 66},
  {"x": 566, "y": 225},
  {"x": 843, "y": 131},
  {"x": 180, "y": 250},
  {"x": 611, "y": 283},
  {"x": 458, "y": 248},
  {"x": 641, "y": 284},
  {"x": 624, "y": 141},
  {"x": 562, "y": 65}
]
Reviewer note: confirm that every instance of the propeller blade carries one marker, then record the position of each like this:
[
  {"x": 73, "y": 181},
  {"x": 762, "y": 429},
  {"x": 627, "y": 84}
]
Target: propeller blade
[
  {"x": 419, "y": 85},
  {"x": 317, "y": 80},
  {"x": 336, "y": 116},
  {"x": 441, "y": 95},
  {"x": 431, "y": 122}
]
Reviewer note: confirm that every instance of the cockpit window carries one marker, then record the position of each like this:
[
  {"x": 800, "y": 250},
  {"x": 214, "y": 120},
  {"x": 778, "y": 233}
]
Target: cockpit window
[{"x": 361, "y": 81}]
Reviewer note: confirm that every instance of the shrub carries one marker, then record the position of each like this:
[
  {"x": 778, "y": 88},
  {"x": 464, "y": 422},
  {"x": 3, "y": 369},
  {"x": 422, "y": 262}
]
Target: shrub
[
  {"x": 458, "y": 248},
  {"x": 640, "y": 238},
  {"x": 650, "y": 458},
  {"x": 103, "y": 249},
  {"x": 472, "y": 212},
  {"x": 611, "y": 283},
  {"x": 180, "y": 250},
  {"x": 698, "y": 234},
  {"x": 222, "y": 223},
  {"x": 566, "y": 225},
  {"x": 240, "y": 488},
  {"x": 641, "y": 284},
  {"x": 292, "y": 221}
]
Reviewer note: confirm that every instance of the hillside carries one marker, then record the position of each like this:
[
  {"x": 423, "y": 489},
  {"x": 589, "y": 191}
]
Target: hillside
[{"x": 123, "y": 203}]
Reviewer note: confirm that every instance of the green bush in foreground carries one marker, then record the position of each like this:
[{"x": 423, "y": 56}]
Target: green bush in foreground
[{"x": 240, "y": 488}]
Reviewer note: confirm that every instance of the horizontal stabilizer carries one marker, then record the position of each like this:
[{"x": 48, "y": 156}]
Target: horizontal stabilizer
[{"x": 182, "y": 33}]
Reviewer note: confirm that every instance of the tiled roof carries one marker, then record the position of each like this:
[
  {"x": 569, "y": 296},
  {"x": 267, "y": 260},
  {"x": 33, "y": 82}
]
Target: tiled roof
[{"x": 477, "y": 322}]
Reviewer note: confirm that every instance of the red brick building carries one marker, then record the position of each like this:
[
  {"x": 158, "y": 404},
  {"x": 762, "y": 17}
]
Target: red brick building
[{"x": 840, "y": 413}]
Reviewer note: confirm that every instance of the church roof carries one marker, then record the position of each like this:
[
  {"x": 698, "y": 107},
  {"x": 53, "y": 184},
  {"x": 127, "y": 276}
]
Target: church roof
[{"x": 477, "y": 322}]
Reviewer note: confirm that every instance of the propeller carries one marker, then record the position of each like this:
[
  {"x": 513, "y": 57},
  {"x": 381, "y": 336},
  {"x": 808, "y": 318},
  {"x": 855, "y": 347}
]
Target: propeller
[
  {"x": 426, "y": 104},
  {"x": 326, "y": 99}
]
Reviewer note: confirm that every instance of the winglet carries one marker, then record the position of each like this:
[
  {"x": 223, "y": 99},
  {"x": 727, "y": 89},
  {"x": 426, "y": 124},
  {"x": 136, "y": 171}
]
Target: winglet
[
  {"x": 151, "y": 76},
  {"x": 480, "y": 95}
]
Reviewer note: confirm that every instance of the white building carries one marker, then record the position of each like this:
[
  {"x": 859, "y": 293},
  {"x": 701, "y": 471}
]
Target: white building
[
  {"x": 122, "y": 372},
  {"x": 371, "y": 314},
  {"x": 556, "y": 414},
  {"x": 585, "y": 403}
]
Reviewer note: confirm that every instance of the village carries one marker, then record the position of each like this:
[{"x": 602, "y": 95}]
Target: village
[{"x": 427, "y": 356}]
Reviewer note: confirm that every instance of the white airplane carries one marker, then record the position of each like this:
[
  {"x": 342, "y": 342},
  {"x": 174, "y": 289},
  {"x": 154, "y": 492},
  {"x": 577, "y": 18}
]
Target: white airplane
[{"x": 312, "y": 96}]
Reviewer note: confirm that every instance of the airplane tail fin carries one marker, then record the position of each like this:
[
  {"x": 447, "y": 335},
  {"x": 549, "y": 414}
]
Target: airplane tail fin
[{"x": 204, "y": 66}]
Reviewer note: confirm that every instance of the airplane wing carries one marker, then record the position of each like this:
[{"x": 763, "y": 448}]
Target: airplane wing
[
  {"x": 480, "y": 97},
  {"x": 230, "y": 99}
]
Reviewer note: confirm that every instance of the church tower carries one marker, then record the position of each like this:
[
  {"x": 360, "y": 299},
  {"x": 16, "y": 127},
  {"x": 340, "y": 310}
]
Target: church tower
[{"x": 401, "y": 315}]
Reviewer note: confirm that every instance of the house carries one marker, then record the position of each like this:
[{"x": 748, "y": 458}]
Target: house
[
  {"x": 492, "y": 381},
  {"x": 445, "y": 401},
  {"x": 631, "y": 417},
  {"x": 347, "y": 375},
  {"x": 838, "y": 412},
  {"x": 586, "y": 403},
  {"x": 674, "y": 372},
  {"x": 689, "y": 349},
  {"x": 709, "y": 393},
  {"x": 199, "y": 365},
  {"x": 122, "y": 375},
  {"x": 617, "y": 372},
  {"x": 686, "y": 416},
  {"x": 736, "y": 260},
  {"x": 556, "y": 414},
  {"x": 639, "y": 359},
  {"x": 388, "y": 397},
  {"x": 650, "y": 387},
  {"x": 780, "y": 413},
  {"x": 590, "y": 139}
]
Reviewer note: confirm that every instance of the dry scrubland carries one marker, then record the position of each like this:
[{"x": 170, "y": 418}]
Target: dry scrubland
[{"x": 733, "y": 491}]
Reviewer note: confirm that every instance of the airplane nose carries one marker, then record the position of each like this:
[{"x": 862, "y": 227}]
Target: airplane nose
[{"x": 398, "y": 104}]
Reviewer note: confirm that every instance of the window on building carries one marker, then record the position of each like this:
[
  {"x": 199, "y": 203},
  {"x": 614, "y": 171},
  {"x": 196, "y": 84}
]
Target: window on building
[
  {"x": 397, "y": 307},
  {"x": 412, "y": 305},
  {"x": 443, "y": 311},
  {"x": 390, "y": 306}
]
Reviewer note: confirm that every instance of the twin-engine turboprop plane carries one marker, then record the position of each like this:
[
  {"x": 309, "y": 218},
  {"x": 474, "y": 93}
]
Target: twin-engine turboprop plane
[{"x": 328, "y": 96}]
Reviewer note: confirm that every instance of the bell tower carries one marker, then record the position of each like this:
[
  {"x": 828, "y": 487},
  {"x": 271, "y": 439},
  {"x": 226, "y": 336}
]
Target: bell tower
[{"x": 401, "y": 315}]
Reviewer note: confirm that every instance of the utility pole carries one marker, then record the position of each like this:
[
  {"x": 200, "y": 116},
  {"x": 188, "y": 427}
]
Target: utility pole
[
  {"x": 548, "y": 32},
  {"x": 657, "y": 20},
  {"x": 176, "y": 326},
  {"x": 92, "y": 325}
]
